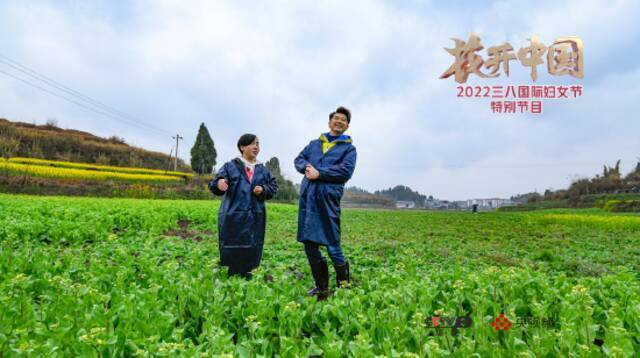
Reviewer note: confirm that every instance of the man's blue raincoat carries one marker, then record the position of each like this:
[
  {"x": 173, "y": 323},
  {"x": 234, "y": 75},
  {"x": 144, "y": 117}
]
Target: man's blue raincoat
[
  {"x": 319, "y": 210},
  {"x": 242, "y": 215}
]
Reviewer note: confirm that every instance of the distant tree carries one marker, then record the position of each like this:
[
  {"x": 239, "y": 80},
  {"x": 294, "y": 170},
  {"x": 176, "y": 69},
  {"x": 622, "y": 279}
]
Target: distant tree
[
  {"x": 286, "y": 190},
  {"x": 203, "y": 152},
  {"x": 633, "y": 178},
  {"x": 612, "y": 172},
  {"x": 273, "y": 165},
  {"x": 9, "y": 146},
  {"x": 52, "y": 122},
  {"x": 403, "y": 193},
  {"x": 116, "y": 140},
  {"x": 366, "y": 199},
  {"x": 355, "y": 190}
]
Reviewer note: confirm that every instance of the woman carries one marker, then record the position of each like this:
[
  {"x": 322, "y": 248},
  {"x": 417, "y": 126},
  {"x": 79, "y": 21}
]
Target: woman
[{"x": 245, "y": 184}]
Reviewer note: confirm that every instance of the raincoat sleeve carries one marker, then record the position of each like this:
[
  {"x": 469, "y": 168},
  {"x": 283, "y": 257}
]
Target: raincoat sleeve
[
  {"x": 270, "y": 188},
  {"x": 213, "y": 184},
  {"x": 302, "y": 160},
  {"x": 342, "y": 172}
]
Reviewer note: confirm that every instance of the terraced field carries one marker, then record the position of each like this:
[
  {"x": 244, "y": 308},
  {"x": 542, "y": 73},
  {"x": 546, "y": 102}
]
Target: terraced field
[{"x": 81, "y": 171}]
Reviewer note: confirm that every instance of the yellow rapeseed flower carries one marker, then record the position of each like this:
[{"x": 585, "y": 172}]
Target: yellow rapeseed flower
[
  {"x": 579, "y": 289},
  {"x": 82, "y": 174},
  {"x": 97, "y": 167}
]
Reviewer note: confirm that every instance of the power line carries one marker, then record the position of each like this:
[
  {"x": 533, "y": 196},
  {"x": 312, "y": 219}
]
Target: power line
[
  {"x": 62, "y": 97},
  {"x": 88, "y": 102},
  {"x": 32, "y": 73}
]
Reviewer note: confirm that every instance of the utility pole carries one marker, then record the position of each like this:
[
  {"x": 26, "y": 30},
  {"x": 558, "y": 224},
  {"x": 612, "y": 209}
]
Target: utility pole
[{"x": 177, "y": 137}]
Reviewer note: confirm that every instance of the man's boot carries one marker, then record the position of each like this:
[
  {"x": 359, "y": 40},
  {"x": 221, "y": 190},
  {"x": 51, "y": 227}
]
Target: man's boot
[
  {"x": 343, "y": 276},
  {"x": 320, "y": 272}
]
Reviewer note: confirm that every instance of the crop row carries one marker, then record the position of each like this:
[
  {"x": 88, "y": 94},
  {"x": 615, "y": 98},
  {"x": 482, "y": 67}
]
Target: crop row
[
  {"x": 13, "y": 168},
  {"x": 97, "y": 167}
]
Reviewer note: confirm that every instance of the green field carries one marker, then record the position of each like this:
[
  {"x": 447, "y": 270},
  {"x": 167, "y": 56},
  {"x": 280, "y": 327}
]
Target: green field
[{"x": 124, "y": 277}]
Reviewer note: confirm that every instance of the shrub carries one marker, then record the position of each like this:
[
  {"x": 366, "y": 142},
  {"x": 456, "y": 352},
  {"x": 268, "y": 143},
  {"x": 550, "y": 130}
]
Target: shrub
[{"x": 622, "y": 206}]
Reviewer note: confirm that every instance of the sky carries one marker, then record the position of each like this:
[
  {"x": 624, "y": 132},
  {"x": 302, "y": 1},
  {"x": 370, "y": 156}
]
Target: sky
[{"x": 278, "y": 68}]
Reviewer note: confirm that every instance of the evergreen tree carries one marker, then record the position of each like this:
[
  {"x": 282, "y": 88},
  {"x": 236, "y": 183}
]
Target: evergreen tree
[
  {"x": 286, "y": 190},
  {"x": 274, "y": 166},
  {"x": 203, "y": 152}
]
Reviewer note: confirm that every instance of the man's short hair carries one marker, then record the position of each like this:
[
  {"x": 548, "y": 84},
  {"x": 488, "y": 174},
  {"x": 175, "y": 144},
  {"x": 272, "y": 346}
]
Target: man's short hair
[{"x": 342, "y": 110}]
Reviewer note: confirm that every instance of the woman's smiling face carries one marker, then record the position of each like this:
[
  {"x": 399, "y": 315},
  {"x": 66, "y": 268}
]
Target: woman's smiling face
[{"x": 252, "y": 150}]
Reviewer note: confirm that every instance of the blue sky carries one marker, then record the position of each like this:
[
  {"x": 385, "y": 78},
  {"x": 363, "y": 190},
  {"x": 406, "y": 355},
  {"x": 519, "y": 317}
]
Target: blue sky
[{"x": 278, "y": 68}]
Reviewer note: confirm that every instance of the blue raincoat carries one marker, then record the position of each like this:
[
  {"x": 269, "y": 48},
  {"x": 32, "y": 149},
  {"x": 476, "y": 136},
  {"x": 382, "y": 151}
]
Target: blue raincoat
[
  {"x": 242, "y": 215},
  {"x": 319, "y": 210}
]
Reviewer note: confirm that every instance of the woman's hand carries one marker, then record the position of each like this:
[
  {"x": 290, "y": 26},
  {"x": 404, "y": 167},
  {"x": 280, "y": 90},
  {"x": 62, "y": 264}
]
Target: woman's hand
[
  {"x": 311, "y": 173},
  {"x": 258, "y": 190},
  {"x": 222, "y": 184}
]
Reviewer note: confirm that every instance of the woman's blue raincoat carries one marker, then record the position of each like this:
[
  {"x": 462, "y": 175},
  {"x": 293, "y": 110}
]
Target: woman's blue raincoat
[
  {"x": 242, "y": 215},
  {"x": 319, "y": 210}
]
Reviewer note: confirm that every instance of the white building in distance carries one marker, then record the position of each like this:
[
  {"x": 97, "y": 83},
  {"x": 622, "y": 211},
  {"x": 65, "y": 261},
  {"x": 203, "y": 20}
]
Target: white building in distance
[
  {"x": 405, "y": 204},
  {"x": 492, "y": 203}
]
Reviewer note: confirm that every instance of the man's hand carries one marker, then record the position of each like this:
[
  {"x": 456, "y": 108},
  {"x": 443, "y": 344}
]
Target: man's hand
[
  {"x": 222, "y": 184},
  {"x": 311, "y": 173},
  {"x": 258, "y": 190}
]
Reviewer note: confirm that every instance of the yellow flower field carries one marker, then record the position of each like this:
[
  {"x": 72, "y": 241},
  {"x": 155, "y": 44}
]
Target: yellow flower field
[
  {"x": 586, "y": 219},
  {"x": 81, "y": 174},
  {"x": 97, "y": 167}
]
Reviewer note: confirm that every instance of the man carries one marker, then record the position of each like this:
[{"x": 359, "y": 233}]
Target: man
[{"x": 327, "y": 164}]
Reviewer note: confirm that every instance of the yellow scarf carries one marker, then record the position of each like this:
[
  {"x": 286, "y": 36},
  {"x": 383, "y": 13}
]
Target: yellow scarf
[{"x": 326, "y": 145}]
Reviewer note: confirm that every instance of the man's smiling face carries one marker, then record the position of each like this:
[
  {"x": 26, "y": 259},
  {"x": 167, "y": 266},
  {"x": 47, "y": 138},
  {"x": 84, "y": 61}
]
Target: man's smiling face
[{"x": 338, "y": 124}]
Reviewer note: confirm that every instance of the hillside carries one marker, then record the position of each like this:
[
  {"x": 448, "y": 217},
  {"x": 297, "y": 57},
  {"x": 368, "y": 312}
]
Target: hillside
[
  {"x": 358, "y": 197},
  {"x": 18, "y": 139}
]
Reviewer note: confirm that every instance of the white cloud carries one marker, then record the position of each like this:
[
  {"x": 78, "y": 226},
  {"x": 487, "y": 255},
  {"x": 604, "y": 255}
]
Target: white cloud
[{"x": 277, "y": 69}]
